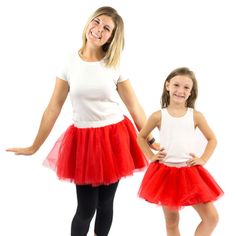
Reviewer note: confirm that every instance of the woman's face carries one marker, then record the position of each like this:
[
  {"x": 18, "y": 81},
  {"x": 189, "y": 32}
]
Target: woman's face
[{"x": 100, "y": 30}]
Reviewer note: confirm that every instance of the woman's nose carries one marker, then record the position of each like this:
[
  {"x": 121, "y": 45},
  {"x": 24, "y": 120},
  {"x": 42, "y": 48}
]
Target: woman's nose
[{"x": 99, "y": 28}]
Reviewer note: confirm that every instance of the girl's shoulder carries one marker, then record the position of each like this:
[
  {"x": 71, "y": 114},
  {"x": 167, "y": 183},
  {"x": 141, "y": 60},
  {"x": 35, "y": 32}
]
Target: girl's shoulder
[
  {"x": 156, "y": 113},
  {"x": 197, "y": 114},
  {"x": 156, "y": 116},
  {"x": 198, "y": 117},
  {"x": 154, "y": 119}
]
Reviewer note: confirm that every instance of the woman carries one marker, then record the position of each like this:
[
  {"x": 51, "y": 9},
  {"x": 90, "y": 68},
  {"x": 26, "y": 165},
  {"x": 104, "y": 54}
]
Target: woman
[{"x": 100, "y": 147}]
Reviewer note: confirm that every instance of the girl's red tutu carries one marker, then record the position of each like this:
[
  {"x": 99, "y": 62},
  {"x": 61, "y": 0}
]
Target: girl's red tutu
[
  {"x": 97, "y": 155},
  {"x": 176, "y": 187}
]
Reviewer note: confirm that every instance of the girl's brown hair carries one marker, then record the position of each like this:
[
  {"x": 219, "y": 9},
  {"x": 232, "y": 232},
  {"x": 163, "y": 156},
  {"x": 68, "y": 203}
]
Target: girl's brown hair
[{"x": 165, "y": 98}]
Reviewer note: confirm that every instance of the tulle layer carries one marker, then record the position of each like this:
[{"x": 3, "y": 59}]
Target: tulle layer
[
  {"x": 97, "y": 155},
  {"x": 176, "y": 187}
]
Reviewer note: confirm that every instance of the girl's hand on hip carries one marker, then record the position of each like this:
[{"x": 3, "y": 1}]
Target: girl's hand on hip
[
  {"x": 159, "y": 156},
  {"x": 195, "y": 160},
  {"x": 155, "y": 146}
]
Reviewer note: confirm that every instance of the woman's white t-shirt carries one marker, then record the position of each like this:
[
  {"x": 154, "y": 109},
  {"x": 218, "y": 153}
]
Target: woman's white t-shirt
[{"x": 93, "y": 92}]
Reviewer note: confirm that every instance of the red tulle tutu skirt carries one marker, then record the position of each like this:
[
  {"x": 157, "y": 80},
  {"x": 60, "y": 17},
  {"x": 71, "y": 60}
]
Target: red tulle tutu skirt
[
  {"x": 97, "y": 156},
  {"x": 176, "y": 187}
]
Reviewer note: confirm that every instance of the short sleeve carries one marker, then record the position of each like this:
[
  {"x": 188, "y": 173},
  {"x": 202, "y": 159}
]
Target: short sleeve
[
  {"x": 63, "y": 74},
  {"x": 63, "y": 70},
  {"x": 121, "y": 78},
  {"x": 123, "y": 72}
]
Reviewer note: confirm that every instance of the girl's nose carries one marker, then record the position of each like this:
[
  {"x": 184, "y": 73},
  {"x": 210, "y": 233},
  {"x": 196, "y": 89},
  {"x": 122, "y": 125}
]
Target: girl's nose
[{"x": 180, "y": 90}]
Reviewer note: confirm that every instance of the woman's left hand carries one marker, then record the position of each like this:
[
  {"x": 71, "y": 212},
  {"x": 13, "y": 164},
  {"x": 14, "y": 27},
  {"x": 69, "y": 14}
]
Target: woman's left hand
[
  {"x": 155, "y": 146},
  {"x": 22, "y": 151},
  {"x": 195, "y": 160}
]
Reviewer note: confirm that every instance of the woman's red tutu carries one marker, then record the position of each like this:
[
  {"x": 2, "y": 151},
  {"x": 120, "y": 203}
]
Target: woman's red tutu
[
  {"x": 97, "y": 155},
  {"x": 176, "y": 187}
]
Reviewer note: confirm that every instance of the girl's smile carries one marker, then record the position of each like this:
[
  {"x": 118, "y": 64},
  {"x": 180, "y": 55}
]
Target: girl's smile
[{"x": 179, "y": 88}]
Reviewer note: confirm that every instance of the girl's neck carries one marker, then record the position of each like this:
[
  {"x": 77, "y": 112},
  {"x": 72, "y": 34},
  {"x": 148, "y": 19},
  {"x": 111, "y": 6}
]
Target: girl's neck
[{"x": 176, "y": 110}]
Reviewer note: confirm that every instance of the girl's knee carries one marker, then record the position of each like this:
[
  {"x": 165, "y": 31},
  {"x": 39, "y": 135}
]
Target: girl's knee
[
  {"x": 172, "y": 223},
  {"x": 209, "y": 214},
  {"x": 212, "y": 218},
  {"x": 172, "y": 219}
]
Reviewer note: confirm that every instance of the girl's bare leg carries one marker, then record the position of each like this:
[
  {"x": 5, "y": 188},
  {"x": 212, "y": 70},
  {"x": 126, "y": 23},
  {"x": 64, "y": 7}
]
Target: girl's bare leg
[
  {"x": 172, "y": 221},
  {"x": 209, "y": 216}
]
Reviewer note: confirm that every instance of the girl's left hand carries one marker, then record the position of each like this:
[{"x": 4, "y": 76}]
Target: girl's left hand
[{"x": 195, "y": 161}]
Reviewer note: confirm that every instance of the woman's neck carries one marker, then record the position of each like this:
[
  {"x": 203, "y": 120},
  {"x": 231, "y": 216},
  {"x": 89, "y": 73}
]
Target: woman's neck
[{"x": 91, "y": 54}]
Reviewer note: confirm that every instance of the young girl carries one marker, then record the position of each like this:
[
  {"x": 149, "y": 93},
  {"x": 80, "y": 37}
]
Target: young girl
[
  {"x": 100, "y": 147},
  {"x": 176, "y": 176}
]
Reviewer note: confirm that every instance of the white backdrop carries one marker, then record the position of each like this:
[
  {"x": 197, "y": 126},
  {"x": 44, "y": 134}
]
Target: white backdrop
[{"x": 160, "y": 36}]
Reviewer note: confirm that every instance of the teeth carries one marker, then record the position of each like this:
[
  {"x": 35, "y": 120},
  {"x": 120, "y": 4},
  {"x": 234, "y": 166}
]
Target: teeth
[
  {"x": 179, "y": 96},
  {"x": 95, "y": 35}
]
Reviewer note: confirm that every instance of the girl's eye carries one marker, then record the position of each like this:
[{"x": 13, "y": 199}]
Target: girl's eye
[{"x": 108, "y": 29}]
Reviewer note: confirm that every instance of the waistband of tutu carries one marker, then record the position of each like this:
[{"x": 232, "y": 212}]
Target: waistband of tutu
[
  {"x": 98, "y": 123},
  {"x": 175, "y": 164}
]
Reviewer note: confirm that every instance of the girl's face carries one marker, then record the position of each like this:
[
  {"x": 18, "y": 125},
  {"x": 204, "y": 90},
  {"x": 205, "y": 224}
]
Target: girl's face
[
  {"x": 179, "y": 88},
  {"x": 100, "y": 30}
]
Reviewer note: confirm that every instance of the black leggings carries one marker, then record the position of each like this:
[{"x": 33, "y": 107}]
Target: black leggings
[{"x": 91, "y": 199}]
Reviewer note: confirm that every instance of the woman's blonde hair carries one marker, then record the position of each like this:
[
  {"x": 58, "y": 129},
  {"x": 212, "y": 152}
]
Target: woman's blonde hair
[
  {"x": 165, "y": 98},
  {"x": 114, "y": 47}
]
